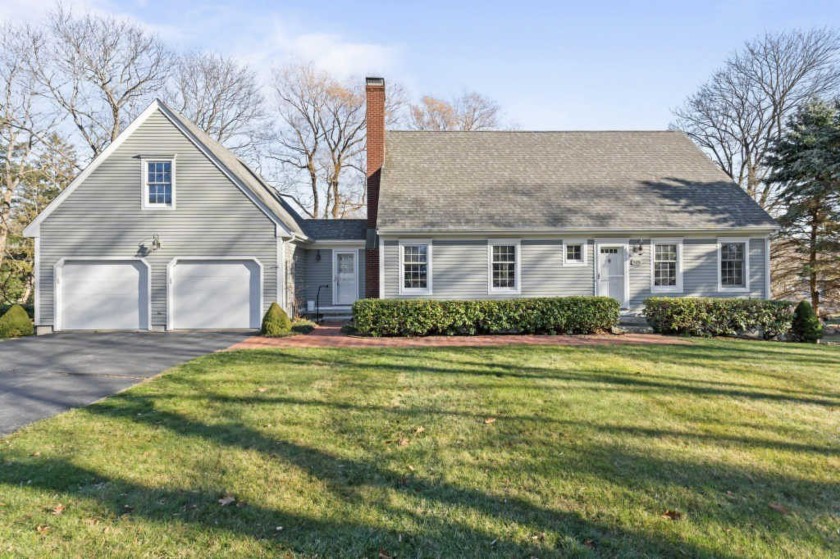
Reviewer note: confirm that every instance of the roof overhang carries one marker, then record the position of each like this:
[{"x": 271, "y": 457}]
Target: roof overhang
[{"x": 577, "y": 232}]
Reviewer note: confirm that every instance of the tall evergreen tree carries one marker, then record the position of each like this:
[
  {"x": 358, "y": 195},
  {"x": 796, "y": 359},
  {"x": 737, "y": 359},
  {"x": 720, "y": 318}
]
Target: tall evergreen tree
[{"x": 805, "y": 165}]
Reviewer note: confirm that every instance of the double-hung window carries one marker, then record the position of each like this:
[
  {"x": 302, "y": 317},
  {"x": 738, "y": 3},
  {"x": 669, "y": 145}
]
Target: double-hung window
[
  {"x": 733, "y": 265},
  {"x": 666, "y": 266},
  {"x": 574, "y": 253},
  {"x": 503, "y": 266},
  {"x": 416, "y": 267},
  {"x": 158, "y": 183}
]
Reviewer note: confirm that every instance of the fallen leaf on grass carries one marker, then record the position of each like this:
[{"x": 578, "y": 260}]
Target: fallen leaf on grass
[
  {"x": 383, "y": 554},
  {"x": 419, "y": 430},
  {"x": 227, "y": 500},
  {"x": 672, "y": 514},
  {"x": 127, "y": 509},
  {"x": 262, "y": 389},
  {"x": 778, "y": 507},
  {"x": 489, "y": 420},
  {"x": 403, "y": 442},
  {"x": 589, "y": 543},
  {"x": 58, "y": 509},
  {"x": 410, "y": 467},
  {"x": 42, "y": 528}
]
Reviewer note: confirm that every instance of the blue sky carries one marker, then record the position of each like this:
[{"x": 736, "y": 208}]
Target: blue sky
[{"x": 551, "y": 65}]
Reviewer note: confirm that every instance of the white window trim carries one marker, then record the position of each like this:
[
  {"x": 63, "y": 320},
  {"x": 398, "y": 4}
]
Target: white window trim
[
  {"x": 584, "y": 243},
  {"x": 415, "y": 290},
  {"x": 666, "y": 288},
  {"x": 518, "y": 267},
  {"x": 144, "y": 178},
  {"x": 746, "y": 242}
]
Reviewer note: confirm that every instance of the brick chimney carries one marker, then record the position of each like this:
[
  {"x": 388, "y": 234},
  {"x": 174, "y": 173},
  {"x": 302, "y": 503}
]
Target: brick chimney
[{"x": 375, "y": 147}]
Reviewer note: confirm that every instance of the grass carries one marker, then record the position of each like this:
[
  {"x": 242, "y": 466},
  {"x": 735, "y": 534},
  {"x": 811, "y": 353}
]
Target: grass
[{"x": 492, "y": 452}]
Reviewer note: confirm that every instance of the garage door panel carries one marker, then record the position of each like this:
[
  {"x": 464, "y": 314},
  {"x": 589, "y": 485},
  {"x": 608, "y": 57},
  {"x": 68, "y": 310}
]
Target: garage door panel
[
  {"x": 218, "y": 294},
  {"x": 104, "y": 295}
]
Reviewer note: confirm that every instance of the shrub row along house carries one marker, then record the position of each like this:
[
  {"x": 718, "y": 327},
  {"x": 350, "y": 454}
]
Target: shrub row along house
[{"x": 167, "y": 229}]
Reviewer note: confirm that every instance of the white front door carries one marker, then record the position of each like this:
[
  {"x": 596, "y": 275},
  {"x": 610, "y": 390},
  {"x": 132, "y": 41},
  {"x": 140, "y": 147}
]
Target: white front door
[
  {"x": 611, "y": 272},
  {"x": 345, "y": 278},
  {"x": 215, "y": 294}
]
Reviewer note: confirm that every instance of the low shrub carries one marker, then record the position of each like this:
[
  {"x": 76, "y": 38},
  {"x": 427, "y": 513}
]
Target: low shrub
[
  {"x": 303, "y": 326},
  {"x": 15, "y": 323},
  {"x": 276, "y": 322},
  {"x": 700, "y": 316},
  {"x": 424, "y": 317},
  {"x": 805, "y": 326}
]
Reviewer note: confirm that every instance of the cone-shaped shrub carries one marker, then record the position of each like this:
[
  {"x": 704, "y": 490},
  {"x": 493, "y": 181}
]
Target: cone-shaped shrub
[
  {"x": 806, "y": 325},
  {"x": 16, "y": 323},
  {"x": 276, "y": 322}
]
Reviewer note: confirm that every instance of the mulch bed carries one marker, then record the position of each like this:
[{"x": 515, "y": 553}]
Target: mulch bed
[{"x": 331, "y": 336}]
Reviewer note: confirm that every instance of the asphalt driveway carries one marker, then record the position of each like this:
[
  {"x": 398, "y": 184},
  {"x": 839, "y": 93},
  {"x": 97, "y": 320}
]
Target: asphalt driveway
[{"x": 45, "y": 375}]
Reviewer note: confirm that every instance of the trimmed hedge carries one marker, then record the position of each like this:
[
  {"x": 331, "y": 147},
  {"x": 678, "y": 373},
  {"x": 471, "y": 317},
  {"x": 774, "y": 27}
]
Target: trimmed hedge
[
  {"x": 424, "y": 317},
  {"x": 15, "y": 323},
  {"x": 276, "y": 322},
  {"x": 701, "y": 316}
]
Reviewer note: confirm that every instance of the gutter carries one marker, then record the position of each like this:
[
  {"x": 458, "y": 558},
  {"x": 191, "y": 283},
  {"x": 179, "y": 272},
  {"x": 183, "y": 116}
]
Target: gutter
[{"x": 577, "y": 231}]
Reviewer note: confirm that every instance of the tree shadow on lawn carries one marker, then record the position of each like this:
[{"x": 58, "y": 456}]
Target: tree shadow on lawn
[
  {"x": 635, "y": 381},
  {"x": 444, "y": 535}
]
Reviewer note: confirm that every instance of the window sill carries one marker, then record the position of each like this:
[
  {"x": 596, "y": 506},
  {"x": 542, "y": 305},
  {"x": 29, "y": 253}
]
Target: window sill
[
  {"x": 574, "y": 264},
  {"x": 504, "y": 292},
  {"x": 734, "y": 289},
  {"x": 672, "y": 290},
  {"x": 160, "y": 207},
  {"x": 415, "y": 291}
]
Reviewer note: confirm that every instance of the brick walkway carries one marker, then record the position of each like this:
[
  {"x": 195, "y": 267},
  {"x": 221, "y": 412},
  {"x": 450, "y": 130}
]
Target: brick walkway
[{"x": 331, "y": 336}]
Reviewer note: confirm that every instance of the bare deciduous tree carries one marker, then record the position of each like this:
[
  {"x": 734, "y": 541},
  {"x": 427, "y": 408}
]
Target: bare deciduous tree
[
  {"x": 742, "y": 109},
  {"x": 219, "y": 95},
  {"x": 99, "y": 70},
  {"x": 22, "y": 126},
  {"x": 320, "y": 136},
  {"x": 469, "y": 112}
]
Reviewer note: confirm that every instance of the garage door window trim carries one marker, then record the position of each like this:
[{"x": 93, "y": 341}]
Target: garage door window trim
[
  {"x": 58, "y": 271},
  {"x": 170, "y": 268}
]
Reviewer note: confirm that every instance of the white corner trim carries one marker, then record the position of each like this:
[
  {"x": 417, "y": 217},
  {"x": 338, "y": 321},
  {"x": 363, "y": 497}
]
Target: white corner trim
[
  {"x": 518, "y": 266},
  {"x": 36, "y": 279},
  {"x": 170, "y": 268},
  {"x": 58, "y": 269},
  {"x": 624, "y": 244},
  {"x": 666, "y": 289},
  {"x": 583, "y": 251},
  {"x": 144, "y": 182},
  {"x": 768, "y": 278},
  {"x": 381, "y": 269},
  {"x": 428, "y": 290},
  {"x": 280, "y": 287},
  {"x": 33, "y": 229},
  {"x": 746, "y": 242}
]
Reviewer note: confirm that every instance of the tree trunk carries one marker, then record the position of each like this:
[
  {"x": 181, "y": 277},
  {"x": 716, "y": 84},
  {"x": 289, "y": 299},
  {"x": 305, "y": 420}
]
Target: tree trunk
[{"x": 812, "y": 263}]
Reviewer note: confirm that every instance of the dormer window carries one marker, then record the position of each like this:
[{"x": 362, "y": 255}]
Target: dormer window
[{"x": 158, "y": 183}]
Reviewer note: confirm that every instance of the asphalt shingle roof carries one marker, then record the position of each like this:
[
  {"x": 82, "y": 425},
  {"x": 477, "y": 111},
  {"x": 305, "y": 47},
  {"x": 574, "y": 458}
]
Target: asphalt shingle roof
[
  {"x": 336, "y": 229},
  {"x": 461, "y": 181}
]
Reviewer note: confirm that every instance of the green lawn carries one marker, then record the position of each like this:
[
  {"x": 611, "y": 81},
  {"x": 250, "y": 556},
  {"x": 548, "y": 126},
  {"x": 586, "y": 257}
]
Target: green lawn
[{"x": 394, "y": 453}]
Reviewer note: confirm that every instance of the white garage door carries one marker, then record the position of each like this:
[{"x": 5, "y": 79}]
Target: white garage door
[
  {"x": 103, "y": 295},
  {"x": 215, "y": 294}
]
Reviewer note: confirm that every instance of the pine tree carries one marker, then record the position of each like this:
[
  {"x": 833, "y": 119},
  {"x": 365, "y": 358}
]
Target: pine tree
[{"x": 805, "y": 164}]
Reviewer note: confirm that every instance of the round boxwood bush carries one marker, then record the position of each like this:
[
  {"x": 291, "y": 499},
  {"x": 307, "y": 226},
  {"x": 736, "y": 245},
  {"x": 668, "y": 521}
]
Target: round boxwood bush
[
  {"x": 276, "y": 322},
  {"x": 806, "y": 325},
  {"x": 16, "y": 322}
]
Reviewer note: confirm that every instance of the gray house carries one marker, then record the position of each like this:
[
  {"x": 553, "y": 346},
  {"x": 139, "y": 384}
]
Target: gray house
[{"x": 167, "y": 229}]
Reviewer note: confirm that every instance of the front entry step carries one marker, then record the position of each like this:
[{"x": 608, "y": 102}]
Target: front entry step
[{"x": 634, "y": 324}]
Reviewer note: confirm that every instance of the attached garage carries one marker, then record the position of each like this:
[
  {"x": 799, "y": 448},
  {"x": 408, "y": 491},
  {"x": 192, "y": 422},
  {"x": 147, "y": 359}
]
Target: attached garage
[
  {"x": 102, "y": 294},
  {"x": 215, "y": 294}
]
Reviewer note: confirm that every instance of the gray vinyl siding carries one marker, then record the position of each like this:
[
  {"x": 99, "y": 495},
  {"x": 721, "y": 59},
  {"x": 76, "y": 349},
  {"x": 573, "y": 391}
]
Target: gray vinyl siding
[
  {"x": 460, "y": 268},
  {"x": 103, "y": 217},
  {"x": 319, "y": 272},
  {"x": 700, "y": 271}
]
